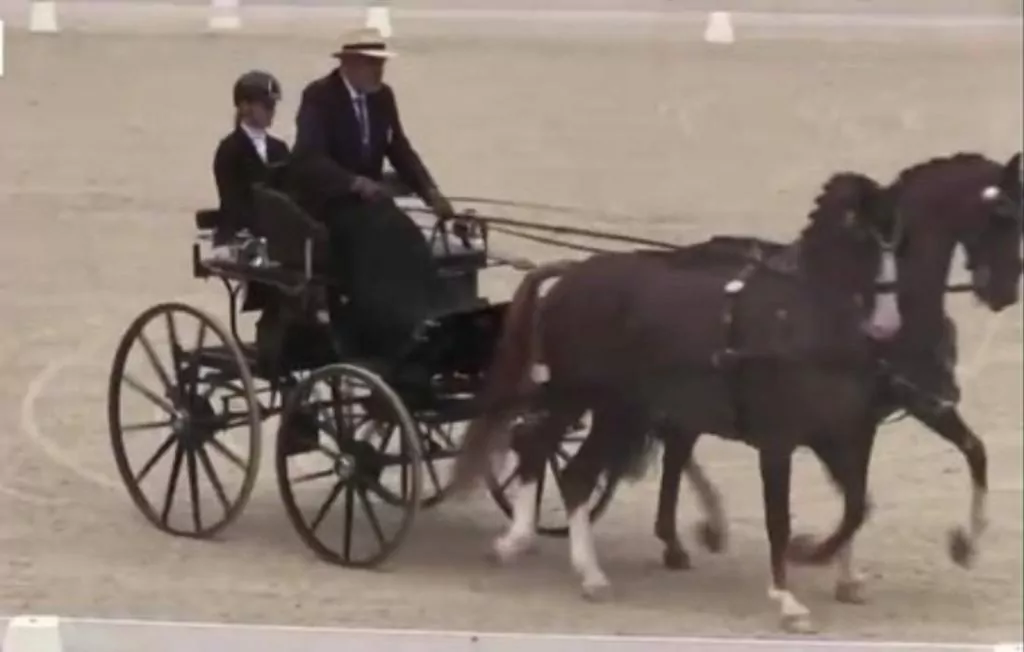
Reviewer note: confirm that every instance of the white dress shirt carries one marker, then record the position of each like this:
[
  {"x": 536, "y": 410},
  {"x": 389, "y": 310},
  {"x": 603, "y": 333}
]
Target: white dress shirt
[
  {"x": 362, "y": 113},
  {"x": 258, "y": 138}
]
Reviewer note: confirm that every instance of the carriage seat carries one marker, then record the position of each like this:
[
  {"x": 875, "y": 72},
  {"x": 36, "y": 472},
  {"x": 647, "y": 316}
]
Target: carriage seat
[{"x": 294, "y": 240}]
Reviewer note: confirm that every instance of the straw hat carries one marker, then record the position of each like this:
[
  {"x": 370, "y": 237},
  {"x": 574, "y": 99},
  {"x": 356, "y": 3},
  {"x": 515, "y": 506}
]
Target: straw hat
[{"x": 364, "y": 42}]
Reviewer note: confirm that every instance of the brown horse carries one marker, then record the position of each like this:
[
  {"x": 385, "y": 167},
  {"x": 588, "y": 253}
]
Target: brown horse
[
  {"x": 966, "y": 199},
  {"x": 772, "y": 353}
]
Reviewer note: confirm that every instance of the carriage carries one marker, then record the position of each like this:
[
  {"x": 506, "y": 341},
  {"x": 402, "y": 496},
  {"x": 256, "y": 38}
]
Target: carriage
[{"x": 362, "y": 439}]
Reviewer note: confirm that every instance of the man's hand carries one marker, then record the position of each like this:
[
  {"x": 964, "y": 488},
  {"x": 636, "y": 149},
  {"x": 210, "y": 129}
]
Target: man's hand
[
  {"x": 367, "y": 188},
  {"x": 440, "y": 205}
]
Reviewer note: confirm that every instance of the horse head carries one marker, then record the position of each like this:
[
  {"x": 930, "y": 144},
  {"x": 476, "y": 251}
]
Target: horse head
[
  {"x": 970, "y": 200},
  {"x": 851, "y": 244}
]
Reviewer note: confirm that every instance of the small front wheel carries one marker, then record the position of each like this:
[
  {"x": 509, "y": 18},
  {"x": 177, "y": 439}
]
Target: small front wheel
[{"x": 349, "y": 466}]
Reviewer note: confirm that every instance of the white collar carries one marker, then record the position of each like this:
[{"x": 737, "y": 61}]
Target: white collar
[
  {"x": 352, "y": 92},
  {"x": 254, "y": 133}
]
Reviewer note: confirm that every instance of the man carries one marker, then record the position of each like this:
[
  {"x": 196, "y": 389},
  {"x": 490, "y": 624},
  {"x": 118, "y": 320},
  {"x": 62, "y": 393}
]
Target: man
[{"x": 347, "y": 124}]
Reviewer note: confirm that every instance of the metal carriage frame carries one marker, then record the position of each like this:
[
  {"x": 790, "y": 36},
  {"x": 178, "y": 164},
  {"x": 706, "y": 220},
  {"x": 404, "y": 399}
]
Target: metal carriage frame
[{"x": 378, "y": 424}]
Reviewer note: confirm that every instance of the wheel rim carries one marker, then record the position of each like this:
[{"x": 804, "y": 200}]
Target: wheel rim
[
  {"x": 186, "y": 437},
  {"x": 551, "y": 517},
  {"x": 353, "y": 496}
]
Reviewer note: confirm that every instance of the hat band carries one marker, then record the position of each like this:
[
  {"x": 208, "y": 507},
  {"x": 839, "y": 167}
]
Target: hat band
[{"x": 363, "y": 47}]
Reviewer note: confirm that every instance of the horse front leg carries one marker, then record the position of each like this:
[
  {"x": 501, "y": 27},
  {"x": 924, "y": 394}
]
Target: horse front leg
[
  {"x": 674, "y": 460},
  {"x": 948, "y": 424},
  {"x": 776, "y": 467},
  {"x": 711, "y": 532}
]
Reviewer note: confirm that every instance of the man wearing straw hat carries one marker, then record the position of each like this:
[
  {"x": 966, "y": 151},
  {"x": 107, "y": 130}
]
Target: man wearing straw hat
[{"x": 347, "y": 124}]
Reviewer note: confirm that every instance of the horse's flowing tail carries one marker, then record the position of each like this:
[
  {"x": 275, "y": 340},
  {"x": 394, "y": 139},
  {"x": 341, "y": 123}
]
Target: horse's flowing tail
[{"x": 510, "y": 381}]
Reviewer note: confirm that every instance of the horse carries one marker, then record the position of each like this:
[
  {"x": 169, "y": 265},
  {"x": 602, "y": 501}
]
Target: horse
[
  {"x": 628, "y": 335},
  {"x": 965, "y": 199}
]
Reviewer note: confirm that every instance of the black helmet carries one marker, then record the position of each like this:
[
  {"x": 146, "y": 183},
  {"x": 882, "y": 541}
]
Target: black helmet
[{"x": 257, "y": 86}]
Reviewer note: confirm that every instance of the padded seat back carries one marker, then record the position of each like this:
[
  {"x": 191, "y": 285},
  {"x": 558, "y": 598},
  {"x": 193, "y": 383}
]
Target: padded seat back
[{"x": 287, "y": 229}]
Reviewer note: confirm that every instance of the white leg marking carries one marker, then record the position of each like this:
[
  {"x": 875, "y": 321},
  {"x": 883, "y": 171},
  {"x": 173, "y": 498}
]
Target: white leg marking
[
  {"x": 850, "y": 582},
  {"x": 524, "y": 521},
  {"x": 539, "y": 373},
  {"x": 584, "y": 555},
  {"x": 789, "y": 606}
]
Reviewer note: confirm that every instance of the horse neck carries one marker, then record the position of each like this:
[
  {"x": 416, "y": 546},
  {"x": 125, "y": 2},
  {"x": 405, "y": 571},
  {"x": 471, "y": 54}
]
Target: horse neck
[{"x": 923, "y": 276}]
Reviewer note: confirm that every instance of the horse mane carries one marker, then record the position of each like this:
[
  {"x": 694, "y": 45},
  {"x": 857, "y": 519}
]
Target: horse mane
[
  {"x": 914, "y": 171},
  {"x": 842, "y": 192}
]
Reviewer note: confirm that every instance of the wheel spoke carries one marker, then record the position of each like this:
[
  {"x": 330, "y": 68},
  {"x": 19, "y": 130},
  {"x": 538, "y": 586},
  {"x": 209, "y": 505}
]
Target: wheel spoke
[
  {"x": 333, "y": 496},
  {"x": 346, "y": 553},
  {"x": 172, "y": 483},
  {"x": 386, "y": 494},
  {"x": 432, "y": 472},
  {"x": 154, "y": 361},
  {"x": 540, "y": 490},
  {"x": 147, "y": 425},
  {"x": 309, "y": 477},
  {"x": 153, "y": 397},
  {"x": 157, "y": 456},
  {"x": 172, "y": 338},
  {"x": 227, "y": 452},
  {"x": 193, "y": 490},
  {"x": 194, "y": 368},
  {"x": 371, "y": 515},
  {"x": 211, "y": 473}
]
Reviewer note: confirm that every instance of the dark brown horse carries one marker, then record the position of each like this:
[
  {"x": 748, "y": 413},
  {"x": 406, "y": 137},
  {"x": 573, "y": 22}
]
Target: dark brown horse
[
  {"x": 771, "y": 353},
  {"x": 964, "y": 199}
]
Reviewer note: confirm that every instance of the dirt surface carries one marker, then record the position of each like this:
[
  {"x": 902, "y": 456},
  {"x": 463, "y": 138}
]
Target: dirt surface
[{"x": 106, "y": 150}]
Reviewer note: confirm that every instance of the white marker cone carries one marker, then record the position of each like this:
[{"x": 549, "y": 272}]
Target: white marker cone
[
  {"x": 33, "y": 634},
  {"x": 42, "y": 17},
  {"x": 379, "y": 18},
  {"x": 224, "y": 16},
  {"x": 719, "y": 28}
]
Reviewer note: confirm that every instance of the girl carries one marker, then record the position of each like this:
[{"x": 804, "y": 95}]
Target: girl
[{"x": 248, "y": 155}]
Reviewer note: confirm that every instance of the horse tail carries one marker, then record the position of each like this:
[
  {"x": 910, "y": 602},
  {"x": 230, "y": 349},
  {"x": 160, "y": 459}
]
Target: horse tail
[{"x": 510, "y": 381}]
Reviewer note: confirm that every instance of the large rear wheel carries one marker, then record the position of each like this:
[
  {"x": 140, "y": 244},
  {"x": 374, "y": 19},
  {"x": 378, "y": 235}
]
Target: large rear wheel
[{"x": 190, "y": 409}]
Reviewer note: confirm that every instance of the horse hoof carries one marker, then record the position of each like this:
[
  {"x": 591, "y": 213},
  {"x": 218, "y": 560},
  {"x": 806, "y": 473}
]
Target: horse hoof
[
  {"x": 961, "y": 549},
  {"x": 597, "y": 592},
  {"x": 711, "y": 537},
  {"x": 505, "y": 550},
  {"x": 850, "y": 592},
  {"x": 676, "y": 559},
  {"x": 798, "y": 624},
  {"x": 802, "y": 549}
]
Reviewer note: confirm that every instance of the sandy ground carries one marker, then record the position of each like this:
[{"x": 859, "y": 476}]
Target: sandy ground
[{"x": 105, "y": 152}]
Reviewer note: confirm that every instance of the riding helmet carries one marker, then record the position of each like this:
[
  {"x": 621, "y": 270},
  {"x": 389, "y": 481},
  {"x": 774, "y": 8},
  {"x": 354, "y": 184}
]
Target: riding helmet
[{"x": 257, "y": 86}]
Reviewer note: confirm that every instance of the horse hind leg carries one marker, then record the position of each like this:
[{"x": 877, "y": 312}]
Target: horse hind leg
[
  {"x": 536, "y": 441},
  {"x": 611, "y": 440}
]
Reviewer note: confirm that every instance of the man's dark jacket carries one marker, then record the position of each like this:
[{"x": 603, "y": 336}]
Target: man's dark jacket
[{"x": 379, "y": 253}]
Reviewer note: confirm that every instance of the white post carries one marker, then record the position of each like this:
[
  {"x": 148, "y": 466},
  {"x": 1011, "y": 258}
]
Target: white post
[
  {"x": 42, "y": 17},
  {"x": 378, "y": 16},
  {"x": 719, "y": 28},
  {"x": 1, "y": 48},
  {"x": 33, "y": 634},
  {"x": 224, "y": 16}
]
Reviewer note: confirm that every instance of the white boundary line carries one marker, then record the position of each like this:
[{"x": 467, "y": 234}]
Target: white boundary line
[{"x": 96, "y": 635}]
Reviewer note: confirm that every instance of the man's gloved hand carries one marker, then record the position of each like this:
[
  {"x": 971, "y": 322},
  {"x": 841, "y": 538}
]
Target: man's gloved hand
[{"x": 367, "y": 188}]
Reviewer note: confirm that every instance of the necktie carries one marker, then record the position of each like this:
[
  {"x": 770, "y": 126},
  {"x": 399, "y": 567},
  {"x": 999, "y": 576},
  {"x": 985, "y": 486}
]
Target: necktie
[{"x": 364, "y": 121}]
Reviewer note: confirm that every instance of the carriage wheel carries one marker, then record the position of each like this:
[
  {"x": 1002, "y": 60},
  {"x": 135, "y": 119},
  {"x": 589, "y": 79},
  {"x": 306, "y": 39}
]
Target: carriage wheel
[
  {"x": 188, "y": 412},
  {"x": 552, "y": 520},
  {"x": 346, "y": 437},
  {"x": 441, "y": 443}
]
